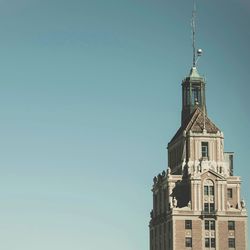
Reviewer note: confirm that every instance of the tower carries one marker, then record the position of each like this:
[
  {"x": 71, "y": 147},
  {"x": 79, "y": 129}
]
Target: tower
[{"x": 197, "y": 202}]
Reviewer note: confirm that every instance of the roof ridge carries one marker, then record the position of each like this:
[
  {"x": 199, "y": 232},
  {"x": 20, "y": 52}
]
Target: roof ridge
[
  {"x": 195, "y": 123},
  {"x": 194, "y": 118},
  {"x": 214, "y": 173},
  {"x": 201, "y": 113}
]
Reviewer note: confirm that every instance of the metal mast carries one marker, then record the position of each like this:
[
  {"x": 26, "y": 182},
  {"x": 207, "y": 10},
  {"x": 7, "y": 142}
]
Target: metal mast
[{"x": 194, "y": 32}]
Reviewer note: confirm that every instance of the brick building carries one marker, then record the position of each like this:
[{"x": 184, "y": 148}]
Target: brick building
[{"x": 196, "y": 202}]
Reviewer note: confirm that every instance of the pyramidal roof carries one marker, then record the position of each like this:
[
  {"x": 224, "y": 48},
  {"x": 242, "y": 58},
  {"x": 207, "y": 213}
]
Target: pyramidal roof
[
  {"x": 194, "y": 73},
  {"x": 196, "y": 122}
]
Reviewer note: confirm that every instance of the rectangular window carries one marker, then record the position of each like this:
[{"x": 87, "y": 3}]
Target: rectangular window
[
  {"x": 213, "y": 242},
  {"x": 209, "y": 225},
  {"x": 206, "y": 190},
  {"x": 210, "y": 242},
  {"x": 188, "y": 224},
  {"x": 211, "y": 190},
  {"x": 196, "y": 97},
  {"x": 231, "y": 243},
  {"x": 211, "y": 205},
  {"x": 188, "y": 242},
  {"x": 206, "y": 207},
  {"x": 231, "y": 164},
  {"x": 229, "y": 193},
  {"x": 207, "y": 242},
  {"x": 212, "y": 225},
  {"x": 231, "y": 225},
  {"x": 204, "y": 149},
  {"x": 220, "y": 169}
]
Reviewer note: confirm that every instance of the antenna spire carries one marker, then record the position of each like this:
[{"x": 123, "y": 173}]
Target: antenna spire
[
  {"x": 196, "y": 53},
  {"x": 194, "y": 32}
]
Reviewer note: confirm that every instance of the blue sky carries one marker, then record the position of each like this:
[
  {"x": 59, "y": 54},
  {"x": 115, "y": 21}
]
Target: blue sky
[{"x": 90, "y": 95}]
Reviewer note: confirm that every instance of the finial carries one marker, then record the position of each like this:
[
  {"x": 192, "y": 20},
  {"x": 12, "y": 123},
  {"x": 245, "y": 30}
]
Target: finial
[{"x": 198, "y": 53}]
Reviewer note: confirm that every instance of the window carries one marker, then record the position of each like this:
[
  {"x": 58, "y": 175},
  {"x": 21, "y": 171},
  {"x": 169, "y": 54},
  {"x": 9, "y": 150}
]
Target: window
[
  {"x": 231, "y": 243},
  {"x": 188, "y": 242},
  {"x": 212, "y": 225},
  {"x": 209, "y": 207},
  {"x": 229, "y": 193},
  {"x": 207, "y": 242},
  {"x": 209, "y": 225},
  {"x": 206, "y": 224},
  {"x": 231, "y": 225},
  {"x": 206, "y": 207},
  {"x": 196, "y": 95},
  {"x": 210, "y": 242},
  {"x": 188, "y": 224},
  {"x": 211, "y": 190},
  {"x": 220, "y": 169},
  {"x": 204, "y": 149},
  {"x": 206, "y": 190},
  {"x": 231, "y": 164},
  {"x": 213, "y": 242}
]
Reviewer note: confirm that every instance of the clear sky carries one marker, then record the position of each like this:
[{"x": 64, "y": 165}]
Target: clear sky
[{"x": 90, "y": 96}]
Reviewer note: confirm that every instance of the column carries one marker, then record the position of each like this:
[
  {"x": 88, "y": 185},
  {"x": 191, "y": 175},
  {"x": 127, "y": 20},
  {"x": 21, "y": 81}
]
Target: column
[{"x": 223, "y": 197}]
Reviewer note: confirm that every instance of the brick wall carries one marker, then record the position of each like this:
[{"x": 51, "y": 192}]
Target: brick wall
[
  {"x": 223, "y": 235},
  {"x": 197, "y": 234},
  {"x": 240, "y": 240},
  {"x": 179, "y": 234}
]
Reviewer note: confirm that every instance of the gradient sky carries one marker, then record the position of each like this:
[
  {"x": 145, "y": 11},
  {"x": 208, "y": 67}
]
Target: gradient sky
[{"x": 90, "y": 96}]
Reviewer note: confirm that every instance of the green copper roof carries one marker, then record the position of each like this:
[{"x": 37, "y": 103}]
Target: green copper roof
[{"x": 194, "y": 73}]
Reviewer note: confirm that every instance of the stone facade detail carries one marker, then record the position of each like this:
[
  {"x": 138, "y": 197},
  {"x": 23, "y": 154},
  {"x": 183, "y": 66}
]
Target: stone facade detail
[{"x": 197, "y": 202}]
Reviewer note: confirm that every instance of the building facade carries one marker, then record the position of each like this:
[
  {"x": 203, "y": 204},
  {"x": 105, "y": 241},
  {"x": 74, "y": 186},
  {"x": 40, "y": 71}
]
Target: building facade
[{"x": 196, "y": 202}]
